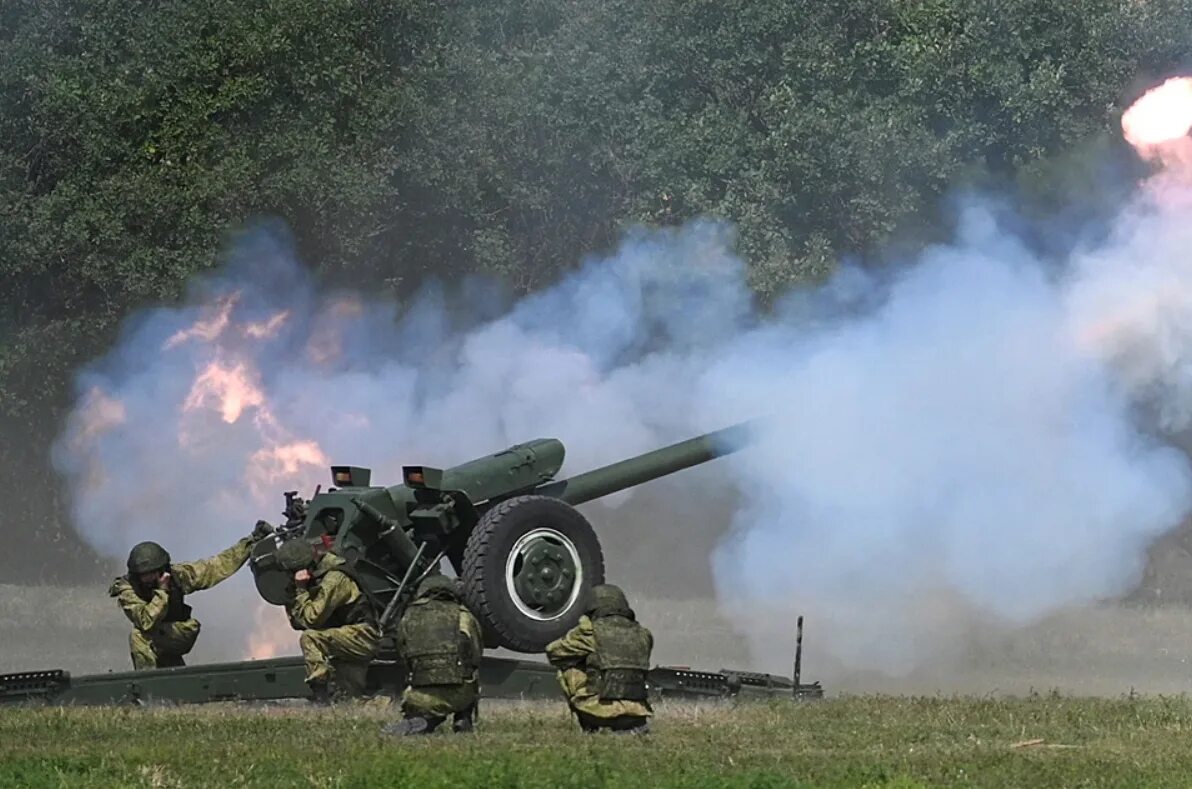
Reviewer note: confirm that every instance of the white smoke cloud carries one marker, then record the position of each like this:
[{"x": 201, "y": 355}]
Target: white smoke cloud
[
  {"x": 963, "y": 441},
  {"x": 969, "y": 430},
  {"x": 173, "y": 426}
]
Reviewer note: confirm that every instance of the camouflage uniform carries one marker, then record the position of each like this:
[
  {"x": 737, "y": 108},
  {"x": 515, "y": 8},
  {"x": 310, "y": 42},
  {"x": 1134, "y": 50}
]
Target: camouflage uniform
[
  {"x": 163, "y": 628},
  {"x": 439, "y": 640},
  {"x": 339, "y": 636},
  {"x": 602, "y": 664}
]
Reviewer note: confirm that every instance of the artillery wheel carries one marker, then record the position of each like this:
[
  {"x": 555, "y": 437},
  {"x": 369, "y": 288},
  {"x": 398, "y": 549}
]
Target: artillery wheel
[{"x": 527, "y": 568}]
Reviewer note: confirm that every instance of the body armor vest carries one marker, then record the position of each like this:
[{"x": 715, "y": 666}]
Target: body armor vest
[
  {"x": 176, "y": 610},
  {"x": 356, "y": 613},
  {"x": 435, "y": 650},
  {"x": 617, "y": 669}
]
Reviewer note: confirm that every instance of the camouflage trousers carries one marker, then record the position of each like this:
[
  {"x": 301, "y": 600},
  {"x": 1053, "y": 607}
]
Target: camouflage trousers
[
  {"x": 164, "y": 645},
  {"x": 582, "y": 698},
  {"x": 439, "y": 701},
  {"x": 340, "y": 654}
]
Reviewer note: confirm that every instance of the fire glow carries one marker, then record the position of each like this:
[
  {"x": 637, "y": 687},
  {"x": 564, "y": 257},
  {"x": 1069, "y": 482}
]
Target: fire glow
[
  {"x": 229, "y": 387},
  {"x": 268, "y": 328},
  {"x": 1163, "y": 115},
  {"x": 210, "y": 328},
  {"x": 229, "y": 384}
]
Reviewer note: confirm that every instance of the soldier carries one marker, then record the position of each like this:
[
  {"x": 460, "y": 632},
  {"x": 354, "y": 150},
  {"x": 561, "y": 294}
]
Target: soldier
[
  {"x": 152, "y": 595},
  {"x": 439, "y": 641},
  {"x": 340, "y": 634},
  {"x": 602, "y": 664}
]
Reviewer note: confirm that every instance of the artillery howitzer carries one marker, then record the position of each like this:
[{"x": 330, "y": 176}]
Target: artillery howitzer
[
  {"x": 511, "y": 532},
  {"x": 524, "y": 555}
]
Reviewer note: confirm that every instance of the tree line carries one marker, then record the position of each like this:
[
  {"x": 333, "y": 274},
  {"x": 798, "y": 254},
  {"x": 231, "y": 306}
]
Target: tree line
[{"x": 407, "y": 139}]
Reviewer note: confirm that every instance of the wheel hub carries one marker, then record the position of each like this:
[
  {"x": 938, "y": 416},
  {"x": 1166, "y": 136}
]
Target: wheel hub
[{"x": 543, "y": 574}]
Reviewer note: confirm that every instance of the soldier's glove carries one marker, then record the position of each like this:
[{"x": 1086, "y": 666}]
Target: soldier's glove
[{"x": 262, "y": 530}]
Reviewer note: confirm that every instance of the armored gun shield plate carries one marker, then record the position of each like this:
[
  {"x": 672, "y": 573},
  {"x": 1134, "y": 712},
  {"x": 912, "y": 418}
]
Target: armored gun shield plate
[
  {"x": 527, "y": 568},
  {"x": 275, "y": 585}
]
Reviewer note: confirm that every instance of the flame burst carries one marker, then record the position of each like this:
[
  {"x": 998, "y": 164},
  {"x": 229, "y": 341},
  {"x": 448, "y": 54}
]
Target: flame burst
[
  {"x": 266, "y": 329},
  {"x": 1157, "y": 125},
  {"x": 210, "y": 328},
  {"x": 1162, "y": 115},
  {"x": 229, "y": 387},
  {"x": 229, "y": 383}
]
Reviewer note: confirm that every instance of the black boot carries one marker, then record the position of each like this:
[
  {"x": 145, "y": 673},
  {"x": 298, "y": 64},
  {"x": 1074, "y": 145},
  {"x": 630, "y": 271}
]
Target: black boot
[
  {"x": 320, "y": 694},
  {"x": 464, "y": 721},
  {"x": 588, "y": 724}
]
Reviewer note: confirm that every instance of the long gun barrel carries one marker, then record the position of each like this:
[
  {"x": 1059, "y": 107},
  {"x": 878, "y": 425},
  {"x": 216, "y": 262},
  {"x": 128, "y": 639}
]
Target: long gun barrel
[{"x": 652, "y": 465}]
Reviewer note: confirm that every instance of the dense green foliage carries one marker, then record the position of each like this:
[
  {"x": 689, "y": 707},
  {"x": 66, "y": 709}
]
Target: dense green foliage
[
  {"x": 410, "y": 139},
  {"x": 863, "y": 741}
]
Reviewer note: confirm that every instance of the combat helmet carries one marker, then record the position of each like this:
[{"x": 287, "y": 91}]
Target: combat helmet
[
  {"x": 608, "y": 600},
  {"x": 147, "y": 557},
  {"x": 437, "y": 586},
  {"x": 295, "y": 555}
]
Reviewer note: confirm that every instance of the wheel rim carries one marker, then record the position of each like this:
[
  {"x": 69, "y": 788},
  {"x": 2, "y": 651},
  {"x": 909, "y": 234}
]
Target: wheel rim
[{"x": 543, "y": 574}]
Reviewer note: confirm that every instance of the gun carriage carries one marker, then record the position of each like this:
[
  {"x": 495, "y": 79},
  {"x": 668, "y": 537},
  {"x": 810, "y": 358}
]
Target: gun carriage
[{"x": 524, "y": 554}]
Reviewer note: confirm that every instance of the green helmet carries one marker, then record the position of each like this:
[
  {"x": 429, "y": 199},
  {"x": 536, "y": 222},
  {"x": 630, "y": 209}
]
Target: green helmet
[
  {"x": 147, "y": 557},
  {"x": 439, "y": 586},
  {"x": 295, "y": 555},
  {"x": 608, "y": 600}
]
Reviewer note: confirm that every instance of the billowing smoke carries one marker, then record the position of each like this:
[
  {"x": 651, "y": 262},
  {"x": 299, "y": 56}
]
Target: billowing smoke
[
  {"x": 962, "y": 448},
  {"x": 981, "y": 430}
]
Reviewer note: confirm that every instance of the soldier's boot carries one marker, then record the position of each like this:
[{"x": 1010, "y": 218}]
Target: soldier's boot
[
  {"x": 320, "y": 694},
  {"x": 350, "y": 680},
  {"x": 412, "y": 725},
  {"x": 588, "y": 724},
  {"x": 170, "y": 661},
  {"x": 464, "y": 721}
]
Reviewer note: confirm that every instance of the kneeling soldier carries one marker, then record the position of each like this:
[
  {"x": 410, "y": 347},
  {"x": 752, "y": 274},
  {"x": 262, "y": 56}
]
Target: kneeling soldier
[
  {"x": 152, "y": 595},
  {"x": 439, "y": 641},
  {"x": 602, "y": 664},
  {"x": 340, "y": 635}
]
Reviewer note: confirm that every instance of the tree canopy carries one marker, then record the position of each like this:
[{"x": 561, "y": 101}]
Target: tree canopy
[{"x": 404, "y": 140}]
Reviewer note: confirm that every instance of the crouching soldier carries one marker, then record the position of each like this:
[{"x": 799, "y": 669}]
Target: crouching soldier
[
  {"x": 339, "y": 634},
  {"x": 439, "y": 641},
  {"x": 152, "y": 596},
  {"x": 602, "y": 664}
]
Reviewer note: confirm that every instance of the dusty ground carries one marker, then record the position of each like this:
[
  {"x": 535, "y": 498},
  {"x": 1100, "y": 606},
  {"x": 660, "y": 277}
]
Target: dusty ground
[{"x": 1106, "y": 651}]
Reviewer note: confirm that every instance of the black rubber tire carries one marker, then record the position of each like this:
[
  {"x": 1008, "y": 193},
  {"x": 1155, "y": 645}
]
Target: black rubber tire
[{"x": 488, "y": 547}]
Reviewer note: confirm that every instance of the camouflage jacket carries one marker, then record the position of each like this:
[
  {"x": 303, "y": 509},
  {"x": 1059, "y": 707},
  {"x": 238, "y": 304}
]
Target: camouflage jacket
[
  {"x": 468, "y": 649},
  {"x": 331, "y": 599},
  {"x": 570, "y": 655},
  {"x": 186, "y": 577}
]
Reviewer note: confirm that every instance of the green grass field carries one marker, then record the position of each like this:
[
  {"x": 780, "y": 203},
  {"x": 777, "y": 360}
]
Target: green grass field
[{"x": 858, "y": 741}]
